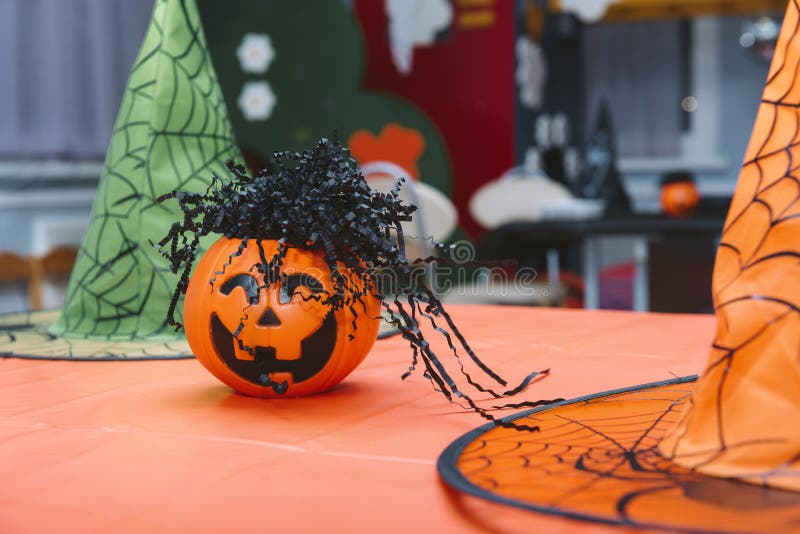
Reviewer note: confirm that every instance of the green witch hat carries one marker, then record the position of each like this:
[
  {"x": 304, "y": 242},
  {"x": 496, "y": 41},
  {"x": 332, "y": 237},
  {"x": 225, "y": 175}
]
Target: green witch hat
[{"x": 172, "y": 133}]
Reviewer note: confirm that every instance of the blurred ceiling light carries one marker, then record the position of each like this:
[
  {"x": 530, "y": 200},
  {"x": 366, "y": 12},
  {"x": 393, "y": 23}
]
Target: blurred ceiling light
[
  {"x": 689, "y": 104},
  {"x": 760, "y": 36}
]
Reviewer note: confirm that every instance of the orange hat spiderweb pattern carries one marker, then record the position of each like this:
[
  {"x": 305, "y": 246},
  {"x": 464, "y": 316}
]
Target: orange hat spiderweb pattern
[
  {"x": 721, "y": 454},
  {"x": 744, "y": 417}
]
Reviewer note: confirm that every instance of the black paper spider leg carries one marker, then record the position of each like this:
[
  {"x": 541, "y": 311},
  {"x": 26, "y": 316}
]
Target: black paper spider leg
[
  {"x": 521, "y": 386},
  {"x": 238, "y": 252}
]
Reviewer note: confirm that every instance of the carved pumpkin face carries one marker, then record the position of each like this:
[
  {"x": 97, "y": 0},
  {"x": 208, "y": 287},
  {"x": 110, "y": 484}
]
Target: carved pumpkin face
[{"x": 277, "y": 339}]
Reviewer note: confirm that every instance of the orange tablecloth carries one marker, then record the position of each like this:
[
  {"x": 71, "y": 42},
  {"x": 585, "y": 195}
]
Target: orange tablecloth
[{"x": 161, "y": 445}]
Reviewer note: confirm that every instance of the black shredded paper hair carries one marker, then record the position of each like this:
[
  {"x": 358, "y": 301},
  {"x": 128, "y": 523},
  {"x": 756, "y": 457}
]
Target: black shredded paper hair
[{"x": 318, "y": 199}]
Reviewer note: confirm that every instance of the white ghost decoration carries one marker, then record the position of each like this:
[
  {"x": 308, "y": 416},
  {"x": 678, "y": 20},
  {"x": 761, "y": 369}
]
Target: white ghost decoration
[{"x": 414, "y": 23}]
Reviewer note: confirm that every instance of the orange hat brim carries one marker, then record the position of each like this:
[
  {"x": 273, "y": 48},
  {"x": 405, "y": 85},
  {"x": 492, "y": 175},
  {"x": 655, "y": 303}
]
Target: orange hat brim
[{"x": 595, "y": 458}]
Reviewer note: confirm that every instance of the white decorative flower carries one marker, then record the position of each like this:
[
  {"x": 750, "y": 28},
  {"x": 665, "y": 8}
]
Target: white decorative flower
[
  {"x": 415, "y": 23},
  {"x": 256, "y": 101},
  {"x": 255, "y": 53},
  {"x": 587, "y": 10},
  {"x": 531, "y": 72}
]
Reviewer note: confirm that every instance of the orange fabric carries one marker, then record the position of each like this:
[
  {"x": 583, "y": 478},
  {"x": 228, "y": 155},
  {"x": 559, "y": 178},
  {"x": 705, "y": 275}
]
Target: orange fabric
[
  {"x": 162, "y": 445},
  {"x": 744, "y": 419}
]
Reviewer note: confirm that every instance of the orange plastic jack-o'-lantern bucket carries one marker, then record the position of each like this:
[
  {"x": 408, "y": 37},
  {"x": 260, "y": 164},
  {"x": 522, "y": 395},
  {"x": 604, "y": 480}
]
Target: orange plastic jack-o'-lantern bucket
[
  {"x": 280, "y": 337},
  {"x": 287, "y": 302}
]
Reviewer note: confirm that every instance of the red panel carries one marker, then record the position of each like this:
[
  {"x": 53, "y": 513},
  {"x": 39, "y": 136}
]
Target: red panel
[{"x": 465, "y": 84}]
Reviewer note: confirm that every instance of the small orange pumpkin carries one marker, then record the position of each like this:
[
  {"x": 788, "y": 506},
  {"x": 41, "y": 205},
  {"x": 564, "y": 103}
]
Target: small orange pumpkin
[
  {"x": 280, "y": 339},
  {"x": 679, "y": 198}
]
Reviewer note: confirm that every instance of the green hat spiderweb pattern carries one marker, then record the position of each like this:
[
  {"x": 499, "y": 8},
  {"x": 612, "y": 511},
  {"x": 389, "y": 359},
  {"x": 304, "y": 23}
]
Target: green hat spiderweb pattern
[{"x": 172, "y": 133}]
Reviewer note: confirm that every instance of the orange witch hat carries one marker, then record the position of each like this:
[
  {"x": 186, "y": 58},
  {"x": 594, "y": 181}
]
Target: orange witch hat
[
  {"x": 718, "y": 454},
  {"x": 744, "y": 416}
]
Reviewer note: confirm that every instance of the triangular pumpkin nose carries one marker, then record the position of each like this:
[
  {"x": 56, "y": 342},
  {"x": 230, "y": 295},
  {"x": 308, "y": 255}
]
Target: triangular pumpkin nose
[{"x": 269, "y": 319}]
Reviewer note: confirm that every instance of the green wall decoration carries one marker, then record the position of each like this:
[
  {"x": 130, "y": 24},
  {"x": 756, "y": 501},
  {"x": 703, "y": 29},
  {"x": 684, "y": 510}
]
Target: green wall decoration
[{"x": 315, "y": 77}]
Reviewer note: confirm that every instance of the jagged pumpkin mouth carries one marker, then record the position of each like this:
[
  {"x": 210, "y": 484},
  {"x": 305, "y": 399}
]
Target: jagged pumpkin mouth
[{"x": 316, "y": 351}]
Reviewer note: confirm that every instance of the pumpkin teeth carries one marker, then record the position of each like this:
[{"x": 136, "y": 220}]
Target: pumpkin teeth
[{"x": 314, "y": 353}]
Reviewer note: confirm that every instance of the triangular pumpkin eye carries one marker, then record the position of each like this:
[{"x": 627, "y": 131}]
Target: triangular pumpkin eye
[
  {"x": 294, "y": 281},
  {"x": 246, "y": 282}
]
